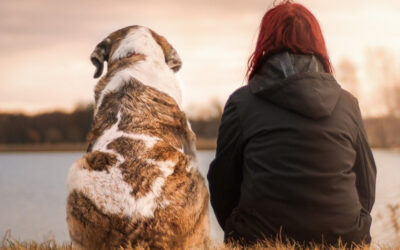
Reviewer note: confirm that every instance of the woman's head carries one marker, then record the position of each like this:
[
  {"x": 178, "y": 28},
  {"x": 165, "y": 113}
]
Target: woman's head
[{"x": 288, "y": 27}]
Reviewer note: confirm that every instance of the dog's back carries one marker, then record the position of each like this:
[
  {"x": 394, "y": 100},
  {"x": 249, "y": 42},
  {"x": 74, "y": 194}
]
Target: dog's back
[{"x": 138, "y": 183}]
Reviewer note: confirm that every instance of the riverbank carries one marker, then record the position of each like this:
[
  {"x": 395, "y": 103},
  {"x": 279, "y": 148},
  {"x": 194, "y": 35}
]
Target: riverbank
[{"x": 202, "y": 144}]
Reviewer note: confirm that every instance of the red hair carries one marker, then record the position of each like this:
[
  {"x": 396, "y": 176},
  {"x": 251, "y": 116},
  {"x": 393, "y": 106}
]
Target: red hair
[{"x": 288, "y": 27}]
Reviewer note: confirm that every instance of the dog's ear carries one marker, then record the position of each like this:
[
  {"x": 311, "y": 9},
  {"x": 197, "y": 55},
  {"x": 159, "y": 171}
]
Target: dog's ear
[
  {"x": 171, "y": 56},
  {"x": 99, "y": 55}
]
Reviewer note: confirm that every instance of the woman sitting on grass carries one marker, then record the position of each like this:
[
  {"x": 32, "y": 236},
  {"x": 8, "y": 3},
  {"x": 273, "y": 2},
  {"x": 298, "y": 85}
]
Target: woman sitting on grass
[{"x": 292, "y": 156}]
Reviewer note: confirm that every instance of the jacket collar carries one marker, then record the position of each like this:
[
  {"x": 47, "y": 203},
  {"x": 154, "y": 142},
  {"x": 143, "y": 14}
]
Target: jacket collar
[{"x": 297, "y": 82}]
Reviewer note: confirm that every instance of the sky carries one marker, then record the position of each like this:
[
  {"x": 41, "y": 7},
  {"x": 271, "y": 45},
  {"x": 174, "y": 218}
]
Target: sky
[{"x": 45, "y": 45}]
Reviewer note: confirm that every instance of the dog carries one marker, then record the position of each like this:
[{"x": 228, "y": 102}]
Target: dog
[{"x": 138, "y": 183}]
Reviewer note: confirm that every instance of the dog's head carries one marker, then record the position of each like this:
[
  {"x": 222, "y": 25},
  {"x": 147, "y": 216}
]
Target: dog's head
[{"x": 134, "y": 43}]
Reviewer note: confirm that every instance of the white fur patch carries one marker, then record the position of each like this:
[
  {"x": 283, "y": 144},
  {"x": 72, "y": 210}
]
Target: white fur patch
[
  {"x": 164, "y": 203},
  {"x": 159, "y": 76},
  {"x": 113, "y": 133},
  {"x": 140, "y": 41},
  {"x": 192, "y": 165},
  {"x": 147, "y": 204},
  {"x": 152, "y": 71},
  {"x": 108, "y": 190},
  {"x": 115, "y": 83},
  {"x": 182, "y": 89},
  {"x": 112, "y": 194}
]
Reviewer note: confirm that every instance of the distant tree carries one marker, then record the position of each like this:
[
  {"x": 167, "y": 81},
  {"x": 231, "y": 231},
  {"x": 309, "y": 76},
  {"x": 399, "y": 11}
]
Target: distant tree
[
  {"x": 346, "y": 73},
  {"x": 51, "y": 127},
  {"x": 384, "y": 70},
  {"x": 53, "y": 135},
  {"x": 206, "y": 124},
  {"x": 392, "y": 99},
  {"x": 33, "y": 135}
]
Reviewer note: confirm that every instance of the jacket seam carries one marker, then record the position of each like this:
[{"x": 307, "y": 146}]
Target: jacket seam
[
  {"x": 237, "y": 116},
  {"x": 286, "y": 82},
  {"x": 364, "y": 174}
]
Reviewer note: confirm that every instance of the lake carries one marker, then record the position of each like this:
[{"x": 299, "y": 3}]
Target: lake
[{"x": 33, "y": 195}]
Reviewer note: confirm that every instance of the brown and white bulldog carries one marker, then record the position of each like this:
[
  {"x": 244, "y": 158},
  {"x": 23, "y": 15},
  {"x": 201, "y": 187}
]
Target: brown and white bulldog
[{"x": 138, "y": 183}]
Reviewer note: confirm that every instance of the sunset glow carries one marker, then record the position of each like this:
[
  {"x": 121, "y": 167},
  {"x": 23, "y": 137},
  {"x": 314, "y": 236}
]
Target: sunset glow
[{"x": 45, "y": 45}]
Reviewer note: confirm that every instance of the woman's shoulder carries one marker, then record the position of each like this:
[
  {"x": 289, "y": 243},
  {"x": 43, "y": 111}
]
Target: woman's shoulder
[
  {"x": 349, "y": 96},
  {"x": 241, "y": 94},
  {"x": 348, "y": 100}
]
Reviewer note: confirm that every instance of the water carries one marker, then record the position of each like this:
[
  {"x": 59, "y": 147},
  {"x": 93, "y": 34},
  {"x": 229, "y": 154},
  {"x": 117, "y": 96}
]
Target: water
[{"x": 33, "y": 195}]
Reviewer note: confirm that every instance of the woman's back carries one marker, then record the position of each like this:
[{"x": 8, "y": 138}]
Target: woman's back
[
  {"x": 299, "y": 136},
  {"x": 292, "y": 156}
]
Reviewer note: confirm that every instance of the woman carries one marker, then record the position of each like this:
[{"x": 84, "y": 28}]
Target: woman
[{"x": 292, "y": 156}]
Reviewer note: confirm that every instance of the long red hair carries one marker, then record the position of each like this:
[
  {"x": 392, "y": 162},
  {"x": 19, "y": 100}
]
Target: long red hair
[{"x": 288, "y": 27}]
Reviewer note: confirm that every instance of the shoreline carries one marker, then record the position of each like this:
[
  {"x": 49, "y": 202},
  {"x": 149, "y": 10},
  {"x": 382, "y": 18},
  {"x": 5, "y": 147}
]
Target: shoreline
[{"x": 202, "y": 144}]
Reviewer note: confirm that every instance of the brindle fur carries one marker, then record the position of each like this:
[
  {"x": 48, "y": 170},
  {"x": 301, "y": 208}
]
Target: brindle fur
[{"x": 180, "y": 224}]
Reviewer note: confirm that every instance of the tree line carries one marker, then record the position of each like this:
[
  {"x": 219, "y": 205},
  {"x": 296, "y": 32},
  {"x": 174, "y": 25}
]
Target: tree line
[
  {"x": 63, "y": 127},
  {"x": 51, "y": 127}
]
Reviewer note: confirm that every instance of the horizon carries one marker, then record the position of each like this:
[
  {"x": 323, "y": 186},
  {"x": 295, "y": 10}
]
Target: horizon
[{"x": 46, "y": 47}]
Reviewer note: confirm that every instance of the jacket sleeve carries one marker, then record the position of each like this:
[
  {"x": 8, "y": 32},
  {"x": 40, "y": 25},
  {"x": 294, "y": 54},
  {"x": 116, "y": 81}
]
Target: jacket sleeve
[
  {"x": 225, "y": 173},
  {"x": 364, "y": 168}
]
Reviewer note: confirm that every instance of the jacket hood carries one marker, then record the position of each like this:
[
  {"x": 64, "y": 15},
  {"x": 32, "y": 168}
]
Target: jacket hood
[{"x": 297, "y": 82}]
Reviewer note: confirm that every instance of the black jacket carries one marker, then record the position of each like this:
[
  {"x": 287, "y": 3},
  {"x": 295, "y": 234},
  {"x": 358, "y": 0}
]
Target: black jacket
[{"x": 293, "y": 158}]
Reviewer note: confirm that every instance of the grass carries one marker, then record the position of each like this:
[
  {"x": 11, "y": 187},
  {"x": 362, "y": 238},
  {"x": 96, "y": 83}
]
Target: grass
[
  {"x": 8, "y": 244},
  {"x": 47, "y": 245}
]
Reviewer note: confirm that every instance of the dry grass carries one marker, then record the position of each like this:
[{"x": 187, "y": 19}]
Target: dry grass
[
  {"x": 279, "y": 245},
  {"x": 268, "y": 245},
  {"x": 395, "y": 218},
  {"x": 46, "y": 245},
  {"x": 8, "y": 243}
]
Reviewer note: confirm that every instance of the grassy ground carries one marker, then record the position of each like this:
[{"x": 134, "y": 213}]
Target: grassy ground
[
  {"x": 51, "y": 245},
  {"x": 8, "y": 244}
]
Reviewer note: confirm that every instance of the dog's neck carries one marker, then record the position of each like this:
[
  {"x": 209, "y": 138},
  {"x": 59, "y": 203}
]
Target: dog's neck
[
  {"x": 153, "y": 73},
  {"x": 158, "y": 75}
]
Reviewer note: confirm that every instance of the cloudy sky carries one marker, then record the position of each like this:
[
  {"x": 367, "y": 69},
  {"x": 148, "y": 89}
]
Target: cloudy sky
[{"x": 45, "y": 45}]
